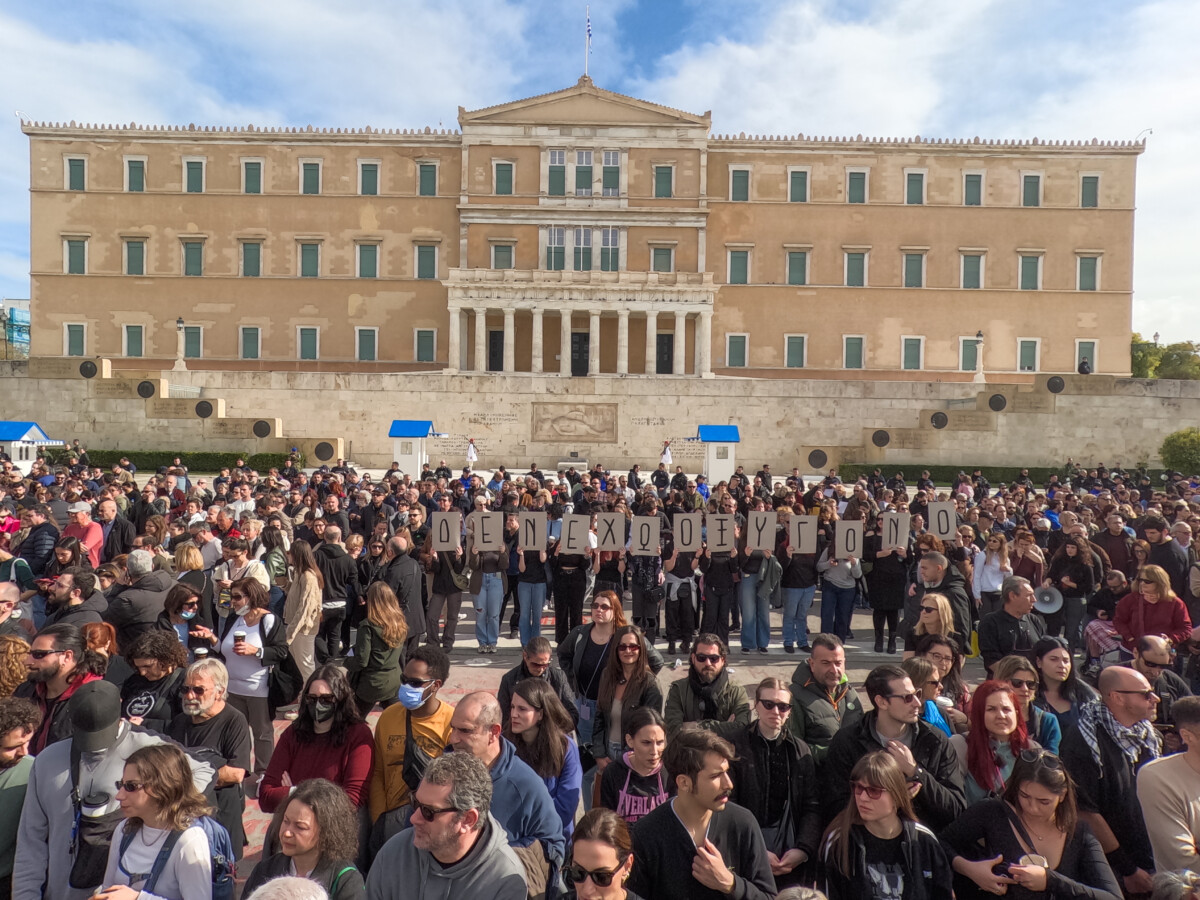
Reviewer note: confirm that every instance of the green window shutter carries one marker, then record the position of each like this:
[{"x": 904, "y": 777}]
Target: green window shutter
[
  {"x": 973, "y": 190},
  {"x": 557, "y": 186},
  {"x": 737, "y": 351},
  {"x": 856, "y": 188},
  {"x": 1029, "y": 273},
  {"x": 425, "y": 345},
  {"x": 795, "y": 352},
  {"x": 74, "y": 340},
  {"x": 1085, "y": 350},
  {"x": 428, "y": 176},
  {"x": 366, "y": 345},
  {"x": 556, "y": 258},
  {"x": 583, "y": 181},
  {"x": 1028, "y": 356},
  {"x": 191, "y": 341},
  {"x": 1090, "y": 192},
  {"x": 426, "y": 261},
  {"x": 798, "y": 187},
  {"x": 583, "y": 259},
  {"x": 797, "y": 267},
  {"x": 370, "y": 181},
  {"x": 856, "y": 269},
  {"x": 1031, "y": 191},
  {"x": 502, "y": 256},
  {"x": 249, "y": 343},
  {"x": 912, "y": 353},
  {"x": 854, "y": 353},
  {"x": 609, "y": 259},
  {"x": 504, "y": 178},
  {"x": 661, "y": 259},
  {"x": 663, "y": 176},
  {"x": 133, "y": 340},
  {"x": 76, "y": 257},
  {"x": 368, "y": 261},
  {"x": 137, "y": 175},
  {"x": 253, "y": 177},
  {"x": 915, "y": 189},
  {"x": 739, "y": 188},
  {"x": 970, "y": 355},
  {"x": 913, "y": 266},
  {"x": 193, "y": 258},
  {"x": 972, "y": 271},
  {"x": 195, "y": 177},
  {"x": 1087, "y": 273},
  {"x": 610, "y": 180},
  {"x": 135, "y": 257},
  {"x": 312, "y": 179},
  {"x": 310, "y": 260},
  {"x": 308, "y": 343},
  {"x": 251, "y": 260},
  {"x": 739, "y": 266},
  {"x": 76, "y": 174}
]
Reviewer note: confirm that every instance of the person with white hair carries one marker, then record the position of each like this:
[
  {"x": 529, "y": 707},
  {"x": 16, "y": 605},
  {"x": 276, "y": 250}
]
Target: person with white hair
[
  {"x": 135, "y": 605},
  {"x": 289, "y": 887}
]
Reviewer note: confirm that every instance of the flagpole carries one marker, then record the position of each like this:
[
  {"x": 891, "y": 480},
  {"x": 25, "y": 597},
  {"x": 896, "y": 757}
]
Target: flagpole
[{"x": 587, "y": 41}]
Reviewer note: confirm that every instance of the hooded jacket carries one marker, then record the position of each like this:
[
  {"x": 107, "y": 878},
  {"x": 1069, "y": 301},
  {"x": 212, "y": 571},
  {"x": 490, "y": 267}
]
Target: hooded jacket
[
  {"x": 927, "y": 873},
  {"x": 403, "y": 576},
  {"x": 56, "y": 721},
  {"x": 135, "y": 608},
  {"x": 818, "y": 715},
  {"x": 340, "y": 573},
  {"x": 521, "y": 804},
  {"x": 90, "y": 610},
  {"x": 553, "y": 674}
]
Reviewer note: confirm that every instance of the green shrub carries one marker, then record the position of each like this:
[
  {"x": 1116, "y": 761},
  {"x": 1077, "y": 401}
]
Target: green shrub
[
  {"x": 1180, "y": 450},
  {"x": 201, "y": 461},
  {"x": 945, "y": 475}
]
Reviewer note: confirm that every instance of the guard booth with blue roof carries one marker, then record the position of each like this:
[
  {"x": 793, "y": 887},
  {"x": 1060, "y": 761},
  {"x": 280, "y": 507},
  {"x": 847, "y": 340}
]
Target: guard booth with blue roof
[
  {"x": 720, "y": 450},
  {"x": 22, "y": 441},
  {"x": 408, "y": 443}
]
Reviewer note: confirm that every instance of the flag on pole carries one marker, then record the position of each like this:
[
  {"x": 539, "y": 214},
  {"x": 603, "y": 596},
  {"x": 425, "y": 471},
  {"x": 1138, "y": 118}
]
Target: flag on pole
[{"x": 587, "y": 51}]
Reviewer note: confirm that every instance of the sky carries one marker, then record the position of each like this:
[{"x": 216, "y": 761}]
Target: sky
[{"x": 1052, "y": 69}]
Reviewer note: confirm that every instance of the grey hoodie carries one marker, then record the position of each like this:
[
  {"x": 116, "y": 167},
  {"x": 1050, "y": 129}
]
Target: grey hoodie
[{"x": 491, "y": 869}]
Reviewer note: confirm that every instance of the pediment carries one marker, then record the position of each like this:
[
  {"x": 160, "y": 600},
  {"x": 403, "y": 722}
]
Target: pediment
[{"x": 584, "y": 104}]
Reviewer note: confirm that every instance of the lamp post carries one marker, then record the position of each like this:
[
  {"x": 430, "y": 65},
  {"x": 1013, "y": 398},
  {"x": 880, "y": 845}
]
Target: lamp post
[
  {"x": 179, "y": 366},
  {"x": 978, "y": 358}
]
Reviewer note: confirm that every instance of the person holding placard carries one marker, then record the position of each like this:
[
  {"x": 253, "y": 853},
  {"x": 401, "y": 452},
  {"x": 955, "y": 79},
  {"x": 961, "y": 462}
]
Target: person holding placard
[
  {"x": 489, "y": 581},
  {"x": 572, "y": 558},
  {"x": 720, "y": 568},
  {"x": 680, "y": 570},
  {"x": 531, "y": 590},
  {"x": 754, "y": 553},
  {"x": 798, "y": 583},
  {"x": 839, "y": 588},
  {"x": 889, "y": 547}
]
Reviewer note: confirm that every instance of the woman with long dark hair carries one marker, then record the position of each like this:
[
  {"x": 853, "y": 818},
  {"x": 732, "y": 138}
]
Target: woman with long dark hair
[
  {"x": 68, "y": 553},
  {"x": 600, "y": 858},
  {"x": 1071, "y": 572},
  {"x": 181, "y": 611},
  {"x": 626, "y": 684},
  {"x": 539, "y": 726},
  {"x": 1060, "y": 690},
  {"x": 633, "y": 784},
  {"x": 375, "y": 667},
  {"x": 943, "y": 651}
]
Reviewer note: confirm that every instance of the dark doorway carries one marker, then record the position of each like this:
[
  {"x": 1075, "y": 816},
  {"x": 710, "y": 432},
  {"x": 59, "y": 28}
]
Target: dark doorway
[
  {"x": 664, "y": 359},
  {"x": 495, "y": 351},
  {"x": 579, "y": 353}
]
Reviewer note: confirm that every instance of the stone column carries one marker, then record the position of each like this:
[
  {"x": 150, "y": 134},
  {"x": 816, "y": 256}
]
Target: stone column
[
  {"x": 651, "y": 341},
  {"x": 510, "y": 339},
  {"x": 454, "y": 341},
  {"x": 564, "y": 353},
  {"x": 704, "y": 345},
  {"x": 536, "y": 342},
  {"x": 622, "y": 342},
  {"x": 680, "y": 342},
  {"x": 480, "y": 340},
  {"x": 594, "y": 342}
]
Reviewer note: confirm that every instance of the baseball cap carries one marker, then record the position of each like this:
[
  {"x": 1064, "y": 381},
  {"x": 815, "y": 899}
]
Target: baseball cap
[
  {"x": 95, "y": 715},
  {"x": 79, "y": 507}
]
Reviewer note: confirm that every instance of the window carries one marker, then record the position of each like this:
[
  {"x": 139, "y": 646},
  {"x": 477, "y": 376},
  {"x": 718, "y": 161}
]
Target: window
[
  {"x": 856, "y": 269},
  {"x": 610, "y": 177},
  {"x": 368, "y": 260},
  {"x": 798, "y": 186},
  {"x": 972, "y": 271},
  {"x": 1027, "y": 355},
  {"x": 193, "y": 258},
  {"x": 193, "y": 341},
  {"x": 973, "y": 189},
  {"x": 914, "y": 270},
  {"x": 251, "y": 259},
  {"x": 735, "y": 350},
  {"x": 427, "y": 267},
  {"x": 852, "y": 352},
  {"x": 914, "y": 188},
  {"x": 739, "y": 266},
  {"x": 310, "y": 177},
  {"x": 135, "y": 257},
  {"x": 739, "y": 185},
  {"x": 427, "y": 179},
  {"x": 610, "y": 249},
  {"x": 75, "y": 256},
  {"x": 308, "y": 342},
  {"x": 856, "y": 185},
  {"x": 366, "y": 341},
  {"x": 1031, "y": 190},
  {"x": 557, "y": 176},
  {"x": 424, "y": 344},
  {"x": 583, "y": 249},
  {"x": 556, "y": 242},
  {"x": 583, "y": 173},
  {"x": 968, "y": 354},
  {"x": 1089, "y": 191},
  {"x": 797, "y": 267},
  {"x": 793, "y": 351},
  {"x": 135, "y": 175},
  {"x": 252, "y": 176},
  {"x": 132, "y": 339},
  {"x": 502, "y": 174},
  {"x": 1031, "y": 273},
  {"x": 76, "y": 173},
  {"x": 193, "y": 175},
  {"x": 1089, "y": 273},
  {"x": 662, "y": 259},
  {"x": 912, "y": 353},
  {"x": 664, "y": 178},
  {"x": 250, "y": 343},
  {"x": 368, "y": 178},
  {"x": 74, "y": 339},
  {"x": 310, "y": 260},
  {"x": 1085, "y": 350},
  {"x": 502, "y": 256}
]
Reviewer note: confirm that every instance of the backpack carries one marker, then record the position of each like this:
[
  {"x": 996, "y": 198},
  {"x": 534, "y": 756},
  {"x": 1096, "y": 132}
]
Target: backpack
[{"x": 224, "y": 868}]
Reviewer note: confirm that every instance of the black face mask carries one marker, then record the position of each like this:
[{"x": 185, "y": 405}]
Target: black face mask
[{"x": 322, "y": 710}]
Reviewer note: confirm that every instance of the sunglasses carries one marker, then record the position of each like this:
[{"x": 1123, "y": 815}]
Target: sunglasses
[
  {"x": 1146, "y": 581},
  {"x": 1026, "y": 683},
  {"x": 929, "y": 609},
  {"x": 417, "y": 682},
  {"x": 429, "y": 813},
  {"x": 600, "y": 877},
  {"x": 711, "y": 658},
  {"x": 42, "y": 654},
  {"x": 130, "y": 787},
  {"x": 772, "y": 705},
  {"x": 238, "y": 596},
  {"x": 192, "y": 689},
  {"x": 1145, "y": 695},
  {"x": 1036, "y": 754},
  {"x": 871, "y": 791},
  {"x": 604, "y": 607},
  {"x": 320, "y": 698},
  {"x": 905, "y": 698},
  {"x": 626, "y": 648}
]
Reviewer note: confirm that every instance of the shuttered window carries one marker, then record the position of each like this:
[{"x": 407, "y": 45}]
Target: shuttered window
[
  {"x": 797, "y": 267},
  {"x": 856, "y": 187},
  {"x": 366, "y": 344},
  {"x": 557, "y": 175},
  {"x": 133, "y": 340},
  {"x": 195, "y": 176},
  {"x": 76, "y": 174},
  {"x": 426, "y": 345},
  {"x": 973, "y": 190},
  {"x": 794, "y": 354},
  {"x": 368, "y": 261},
  {"x": 912, "y": 353},
  {"x": 502, "y": 256},
  {"x": 504, "y": 178},
  {"x": 251, "y": 259},
  {"x": 856, "y": 269},
  {"x": 75, "y": 340},
  {"x": 312, "y": 178},
  {"x": 136, "y": 175},
  {"x": 1031, "y": 190},
  {"x": 798, "y": 187},
  {"x": 193, "y": 258},
  {"x": 583, "y": 173},
  {"x": 1030, "y": 265},
  {"x": 739, "y": 185},
  {"x": 369, "y": 179},
  {"x": 135, "y": 257},
  {"x": 310, "y": 260},
  {"x": 914, "y": 191},
  {"x": 970, "y": 355},
  {"x": 1027, "y": 356},
  {"x": 192, "y": 341},
  {"x": 663, "y": 181},
  {"x": 1089, "y": 190},
  {"x": 428, "y": 180},
  {"x": 660, "y": 260},
  {"x": 853, "y": 353},
  {"x": 972, "y": 271},
  {"x": 914, "y": 270},
  {"x": 426, "y": 261},
  {"x": 739, "y": 266},
  {"x": 610, "y": 252},
  {"x": 250, "y": 343},
  {"x": 1087, "y": 273},
  {"x": 735, "y": 351},
  {"x": 307, "y": 339},
  {"x": 583, "y": 250},
  {"x": 76, "y": 257},
  {"x": 610, "y": 177},
  {"x": 252, "y": 177},
  {"x": 556, "y": 241}
]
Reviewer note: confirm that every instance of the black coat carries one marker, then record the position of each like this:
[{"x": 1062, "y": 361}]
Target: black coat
[
  {"x": 403, "y": 576},
  {"x": 38, "y": 547},
  {"x": 119, "y": 540},
  {"x": 133, "y": 609}
]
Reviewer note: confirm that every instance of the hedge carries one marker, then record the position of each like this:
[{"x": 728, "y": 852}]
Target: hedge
[
  {"x": 152, "y": 460},
  {"x": 945, "y": 475}
]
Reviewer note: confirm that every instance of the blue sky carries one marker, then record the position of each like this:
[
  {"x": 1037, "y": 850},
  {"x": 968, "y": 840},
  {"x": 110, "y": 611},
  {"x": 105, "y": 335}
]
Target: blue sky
[{"x": 1054, "y": 69}]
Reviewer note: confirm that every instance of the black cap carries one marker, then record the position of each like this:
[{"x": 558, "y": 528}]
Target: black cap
[{"x": 95, "y": 710}]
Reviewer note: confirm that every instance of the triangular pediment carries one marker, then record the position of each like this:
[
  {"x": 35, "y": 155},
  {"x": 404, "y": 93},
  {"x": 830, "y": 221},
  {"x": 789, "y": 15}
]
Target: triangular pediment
[{"x": 583, "y": 104}]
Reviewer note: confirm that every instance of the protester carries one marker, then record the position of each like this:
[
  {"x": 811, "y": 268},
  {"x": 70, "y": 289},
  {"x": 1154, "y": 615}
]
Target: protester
[
  {"x": 601, "y": 857},
  {"x": 1060, "y": 690},
  {"x": 707, "y": 695},
  {"x": 134, "y": 607},
  {"x": 946, "y": 656},
  {"x": 1154, "y": 608},
  {"x": 58, "y": 665},
  {"x": 150, "y": 697},
  {"x": 1013, "y": 627},
  {"x": 1154, "y": 657},
  {"x": 302, "y": 607},
  {"x": 181, "y": 610},
  {"x": 627, "y": 684},
  {"x": 18, "y": 720},
  {"x": 1168, "y": 789},
  {"x": 823, "y": 700},
  {"x": 886, "y": 584},
  {"x": 538, "y": 728},
  {"x": 340, "y": 589},
  {"x": 489, "y": 584},
  {"x": 1166, "y": 553},
  {"x": 374, "y": 666},
  {"x": 1020, "y": 674},
  {"x": 536, "y": 663},
  {"x": 74, "y": 599},
  {"x": 934, "y": 616},
  {"x": 996, "y": 738},
  {"x": 992, "y": 569},
  {"x": 1072, "y": 574},
  {"x": 839, "y": 590},
  {"x": 633, "y": 783},
  {"x": 923, "y": 674}
]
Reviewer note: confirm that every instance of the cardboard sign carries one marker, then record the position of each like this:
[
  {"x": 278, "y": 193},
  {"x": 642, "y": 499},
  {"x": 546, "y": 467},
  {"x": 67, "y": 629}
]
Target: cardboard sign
[
  {"x": 532, "y": 531},
  {"x": 646, "y": 534},
  {"x": 894, "y": 528},
  {"x": 943, "y": 520},
  {"x": 720, "y": 533},
  {"x": 575, "y": 533},
  {"x": 760, "y": 530},
  {"x": 802, "y": 534},
  {"x": 445, "y": 530},
  {"x": 488, "y": 530},
  {"x": 610, "y": 532},
  {"x": 848, "y": 539},
  {"x": 689, "y": 531}
]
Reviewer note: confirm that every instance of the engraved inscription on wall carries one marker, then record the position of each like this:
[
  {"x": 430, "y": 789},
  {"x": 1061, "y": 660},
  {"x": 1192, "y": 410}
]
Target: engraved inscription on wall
[{"x": 583, "y": 422}]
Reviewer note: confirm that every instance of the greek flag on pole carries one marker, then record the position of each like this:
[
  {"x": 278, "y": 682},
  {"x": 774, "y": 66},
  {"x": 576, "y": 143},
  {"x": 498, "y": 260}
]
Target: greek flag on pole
[{"x": 589, "y": 29}]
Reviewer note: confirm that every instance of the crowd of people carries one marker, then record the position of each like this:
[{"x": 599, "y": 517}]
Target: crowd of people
[{"x": 154, "y": 627}]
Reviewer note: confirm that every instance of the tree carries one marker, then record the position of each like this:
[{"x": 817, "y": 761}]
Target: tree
[
  {"x": 1180, "y": 450},
  {"x": 1144, "y": 357},
  {"x": 1179, "y": 361}
]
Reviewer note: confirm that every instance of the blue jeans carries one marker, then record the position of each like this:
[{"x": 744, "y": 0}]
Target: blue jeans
[
  {"x": 796, "y": 603},
  {"x": 756, "y": 613},
  {"x": 837, "y": 605},
  {"x": 39, "y": 611},
  {"x": 487, "y": 609},
  {"x": 531, "y": 597}
]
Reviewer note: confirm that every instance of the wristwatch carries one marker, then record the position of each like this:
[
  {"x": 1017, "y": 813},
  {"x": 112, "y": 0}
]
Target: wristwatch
[{"x": 259, "y": 652}]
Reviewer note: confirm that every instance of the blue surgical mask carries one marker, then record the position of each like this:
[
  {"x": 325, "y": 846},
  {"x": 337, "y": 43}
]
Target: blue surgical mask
[
  {"x": 411, "y": 697},
  {"x": 187, "y": 614}
]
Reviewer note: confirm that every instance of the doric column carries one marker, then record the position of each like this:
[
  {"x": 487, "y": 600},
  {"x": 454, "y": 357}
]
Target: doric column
[
  {"x": 622, "y": 342},
  {"x": 454, "y": 341},
  {"x": 651, "y": 341},
  {"x": 510, "y": 339},
  {"x": 704, "y": 345},
  {"x": 480, "y": 340},
  {"x": 564, "y": 342},
  {"x": 594, "y": 342},
  {"x": 536, "y": 342},
  {"x": 680, "y": 341}
]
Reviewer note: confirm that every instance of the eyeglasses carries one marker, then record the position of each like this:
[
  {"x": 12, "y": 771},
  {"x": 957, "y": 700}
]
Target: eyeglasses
[
  {"x": 710, "y": 658},
  {"x": 1147, "y": 694},
  {"x": 600, "y": 877},
  {"x": 130, "y": 787},
  {"x": 418, "y": 682},
  {"x": 429, "y": 813},
  {"x": 772, "y": 705},
  {"x": 626, "y": 648},
  {"x": 1036, "y": 754},
  {"x": 42, "y": 654},
  {"x": 904, "y": 698},
  {"x": 939, "y": 657},
  {"x": 929, "y": 609},
  {"x": 1150, "y": 664},
  {"x": 871, "y": 791},
  {"x": 320, "y": 698},
  {"x": 192, "y": 689},
  {"x": 1028, "y": 684}
]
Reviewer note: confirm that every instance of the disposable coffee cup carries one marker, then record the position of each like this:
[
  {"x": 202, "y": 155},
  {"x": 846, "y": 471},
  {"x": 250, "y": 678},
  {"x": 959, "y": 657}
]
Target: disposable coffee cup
[
  {"x": 201, "y": 653},
  {"x": 239, "y": 636}
]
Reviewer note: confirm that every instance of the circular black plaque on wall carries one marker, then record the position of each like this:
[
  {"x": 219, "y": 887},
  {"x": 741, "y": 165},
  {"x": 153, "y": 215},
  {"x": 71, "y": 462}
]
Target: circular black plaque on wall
[
  {"x": 997, "y": 402},
  {"x": 262, "y": 428},
  {"x": 323, "y": 451},
  {"x": 145, "y": 389},
  {"x": 817, "y": 459},
  {"x": 204, "y": 409},
  {"x": 1056, "y": 385},
  {"x": 881, "y": 438},
  {"x": 88, "y": 369},
  {"x": 939, "y": 420}
]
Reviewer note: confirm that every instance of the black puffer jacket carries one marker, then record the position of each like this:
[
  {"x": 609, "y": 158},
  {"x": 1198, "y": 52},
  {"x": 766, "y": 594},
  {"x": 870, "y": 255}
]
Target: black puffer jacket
[
  {"x": 38, "y": 547},
  {"x": 133, "y": 609}
]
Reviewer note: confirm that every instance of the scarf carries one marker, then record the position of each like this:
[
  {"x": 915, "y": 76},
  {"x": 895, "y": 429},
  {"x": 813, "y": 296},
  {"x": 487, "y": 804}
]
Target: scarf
[
  {"x": 1135, "y": 741},
  {"x": 706, "y": 694}
]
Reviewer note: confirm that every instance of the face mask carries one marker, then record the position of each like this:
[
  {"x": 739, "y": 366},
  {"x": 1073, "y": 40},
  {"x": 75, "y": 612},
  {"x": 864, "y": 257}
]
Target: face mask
[
  {"x": 242, "y": 610},
  {"x": 187, "y": 614},
  {"x": 411, "y": 697},
  {"x": 322, "y": 710}
]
